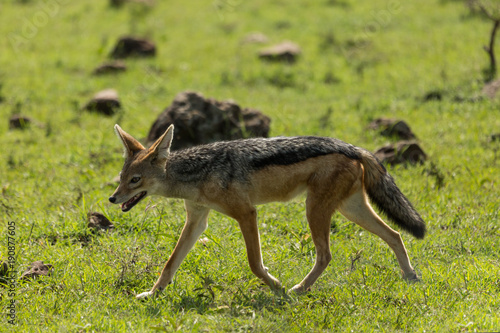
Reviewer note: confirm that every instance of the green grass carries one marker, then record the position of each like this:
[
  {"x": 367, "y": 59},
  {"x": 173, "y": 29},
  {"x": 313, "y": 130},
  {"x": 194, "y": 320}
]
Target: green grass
[{"x": 361, "y": 59}]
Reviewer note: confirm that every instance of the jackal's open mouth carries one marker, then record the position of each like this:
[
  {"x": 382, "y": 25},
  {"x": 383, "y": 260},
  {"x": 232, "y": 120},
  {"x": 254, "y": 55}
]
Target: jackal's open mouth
[{"x": 126, "y": 206}]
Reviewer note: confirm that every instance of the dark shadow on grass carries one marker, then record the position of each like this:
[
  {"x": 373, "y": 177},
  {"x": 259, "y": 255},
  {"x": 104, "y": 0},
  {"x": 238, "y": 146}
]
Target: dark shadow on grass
[
  {"x": 84, "y": 238},
  {"x": 237, "y": 303},
  {"x": 240, "y": 302}
]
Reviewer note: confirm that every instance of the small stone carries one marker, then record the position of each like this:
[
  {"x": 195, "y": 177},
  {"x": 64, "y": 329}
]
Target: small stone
[{"x": 204, "y": 241}]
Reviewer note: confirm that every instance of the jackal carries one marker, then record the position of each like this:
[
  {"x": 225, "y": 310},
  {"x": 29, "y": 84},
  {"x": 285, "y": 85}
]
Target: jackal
[{"x": 232, "y": 177}]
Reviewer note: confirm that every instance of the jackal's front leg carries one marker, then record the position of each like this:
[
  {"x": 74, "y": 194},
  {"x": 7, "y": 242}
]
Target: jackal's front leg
[{"x": 196, "y": 224}]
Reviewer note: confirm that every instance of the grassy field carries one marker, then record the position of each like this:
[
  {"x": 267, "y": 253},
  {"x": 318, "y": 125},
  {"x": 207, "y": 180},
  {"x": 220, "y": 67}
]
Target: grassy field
[{"x": 360, "y": 59}]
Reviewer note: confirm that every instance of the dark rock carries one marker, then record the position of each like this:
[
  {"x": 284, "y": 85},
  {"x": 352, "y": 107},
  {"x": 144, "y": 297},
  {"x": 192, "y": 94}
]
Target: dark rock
[
  {"x": 19, "y": 122},
  {"x": 38, "y": 268},
  {"x": 401, "y": 153},
  {"x": 285, "y": 51},
  {"x": 98, "y": 221},
  {"x": 133, "y": 47},
  {"x": 105, "y": 102},
  {"x": 392, "y": 128},
  {"x": 110, "y": 68},
  {"x": 200, "y": 120}
]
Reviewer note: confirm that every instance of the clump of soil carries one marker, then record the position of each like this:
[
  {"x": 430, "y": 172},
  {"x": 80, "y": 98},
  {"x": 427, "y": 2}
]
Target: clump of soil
[
  {"x": 392, "y": 128},
  {"x": 110, "y": 68},
  {"x": 4, "y": 272},
  {"x": 200, "y": 120},
  {"x": 105, "y": 102},
  {"x": 401, "y": 153},
  {"x": 19, "y": 122},
  {"x": 97, "y": 221},
  {"x": 37, "y": 269},
  {"x": 285, "y": 51},
  {"x": 129, "y": 46}
]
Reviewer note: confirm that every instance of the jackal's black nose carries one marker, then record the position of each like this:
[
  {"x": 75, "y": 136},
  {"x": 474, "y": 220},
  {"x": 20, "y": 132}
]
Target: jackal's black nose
[{"x": 112, "y": 199}]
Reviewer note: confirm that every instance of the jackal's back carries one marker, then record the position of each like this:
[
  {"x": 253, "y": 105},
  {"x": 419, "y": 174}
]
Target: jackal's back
[{"x": 235, "y": 160}]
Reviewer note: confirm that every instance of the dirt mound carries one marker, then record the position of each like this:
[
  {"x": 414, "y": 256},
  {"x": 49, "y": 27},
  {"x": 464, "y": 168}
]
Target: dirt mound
[
  {"x": 97, "y": 221},
  {"x": 200, "y": 120},
  {"x": 129, "y": 46},
  {"x": 19, "y": 122},
  {"x": 401, "y": 153},
  {"x": 105, "y": 102},
  {"x": 285, "y": 51},
  {"x": 392, "y": 128},
  {"x": 110, "y": 68}
]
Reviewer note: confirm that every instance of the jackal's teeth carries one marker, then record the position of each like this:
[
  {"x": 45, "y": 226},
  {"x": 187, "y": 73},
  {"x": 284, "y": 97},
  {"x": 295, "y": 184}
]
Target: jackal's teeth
[{"x": 132, "y": 201}]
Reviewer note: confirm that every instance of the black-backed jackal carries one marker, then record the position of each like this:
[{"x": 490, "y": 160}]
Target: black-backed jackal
[{"x": 233, "y": 177}]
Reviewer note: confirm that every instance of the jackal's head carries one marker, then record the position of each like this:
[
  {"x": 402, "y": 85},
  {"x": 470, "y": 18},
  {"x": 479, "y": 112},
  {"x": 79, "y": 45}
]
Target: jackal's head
[{"x": 144, "y": 169}]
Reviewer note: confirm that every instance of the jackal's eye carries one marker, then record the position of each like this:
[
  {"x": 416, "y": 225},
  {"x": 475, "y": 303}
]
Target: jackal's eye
[{"x": 135, "y": 180}]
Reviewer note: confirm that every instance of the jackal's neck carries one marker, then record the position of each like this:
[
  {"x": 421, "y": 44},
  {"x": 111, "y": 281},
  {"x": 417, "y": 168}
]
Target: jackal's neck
[{"x": 172, "y": 187}]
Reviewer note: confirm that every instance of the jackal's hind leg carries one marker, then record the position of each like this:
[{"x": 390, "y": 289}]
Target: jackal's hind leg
[
  {"x": 357, "y": 209},
  {"x": 196, "y": 224}
]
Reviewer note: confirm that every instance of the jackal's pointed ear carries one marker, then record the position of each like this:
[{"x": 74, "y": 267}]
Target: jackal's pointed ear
[
  {"x": 130, "y": 145},
  {"x": 161, "y": 148}
]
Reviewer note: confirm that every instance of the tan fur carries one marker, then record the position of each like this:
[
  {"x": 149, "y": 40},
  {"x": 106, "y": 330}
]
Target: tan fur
[{"x": 332, "y": 182}]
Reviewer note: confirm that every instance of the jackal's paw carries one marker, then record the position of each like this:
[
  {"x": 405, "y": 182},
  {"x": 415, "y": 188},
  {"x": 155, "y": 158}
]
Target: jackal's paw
[
  {"x": 411, "y": 277},
  {"x": 298, "y": 289},
  {"x": 145, "y": 295}
]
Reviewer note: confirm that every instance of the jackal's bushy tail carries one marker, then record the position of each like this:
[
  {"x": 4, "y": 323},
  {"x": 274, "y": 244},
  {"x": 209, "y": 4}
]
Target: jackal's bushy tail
[{"x": 384, "y": 193}]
